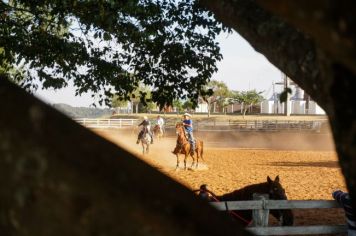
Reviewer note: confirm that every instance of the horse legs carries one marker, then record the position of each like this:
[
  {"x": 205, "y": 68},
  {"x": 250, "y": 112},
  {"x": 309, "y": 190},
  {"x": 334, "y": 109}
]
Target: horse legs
[
  {"x": 147, "y": 148},
  {"x": 185, "y": 161},
  {"x": 193, "y": 157},
  {"x": 196, "y": 165},
  {"x": 177, "y": 166}
]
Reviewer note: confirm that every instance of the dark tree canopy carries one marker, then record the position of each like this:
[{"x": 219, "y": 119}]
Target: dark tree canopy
[{"x": 109, "y": 47}]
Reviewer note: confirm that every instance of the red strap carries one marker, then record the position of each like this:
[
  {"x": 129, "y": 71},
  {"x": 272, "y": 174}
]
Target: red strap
[{"x": 214, "y": 197}]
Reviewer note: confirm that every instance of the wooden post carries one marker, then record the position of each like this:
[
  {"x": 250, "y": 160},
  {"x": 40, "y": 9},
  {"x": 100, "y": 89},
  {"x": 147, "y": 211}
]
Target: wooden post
[{"x": 260, "y": 216}]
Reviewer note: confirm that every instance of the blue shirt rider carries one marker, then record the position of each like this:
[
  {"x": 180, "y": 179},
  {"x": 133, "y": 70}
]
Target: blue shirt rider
[
  {"x": 188, "y": 125},
  {"x": 146, "y": 128}
]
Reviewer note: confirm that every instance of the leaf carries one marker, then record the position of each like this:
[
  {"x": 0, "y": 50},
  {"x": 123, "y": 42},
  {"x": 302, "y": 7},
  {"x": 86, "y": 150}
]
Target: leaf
[
  {"x": 107, "y": 36},
  {"x": 284, "y": 95}
]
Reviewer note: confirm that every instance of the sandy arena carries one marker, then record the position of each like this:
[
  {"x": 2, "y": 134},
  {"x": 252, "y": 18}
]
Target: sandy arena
[{"x": 306, "y": 174}]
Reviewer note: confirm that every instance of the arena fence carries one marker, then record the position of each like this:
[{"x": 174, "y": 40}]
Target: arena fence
[
  {"x": 107, "y": 123},
  {"x": 261, "y": 125},
  {"x": 261, "y": 209},
  {"x": 217, "y": 126}
]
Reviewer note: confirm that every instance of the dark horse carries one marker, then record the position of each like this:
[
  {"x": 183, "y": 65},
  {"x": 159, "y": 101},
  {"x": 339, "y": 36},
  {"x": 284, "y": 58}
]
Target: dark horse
[
  {"x": 274, "y": 190},
  {"x": 183, "y": 147}
]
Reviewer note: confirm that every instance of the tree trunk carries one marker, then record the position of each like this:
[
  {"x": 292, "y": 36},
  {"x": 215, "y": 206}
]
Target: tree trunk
[
  {"x": 318, "y": 53},
  {"x": 244, "y": 111},
  {"x": 208, "y": 109}
]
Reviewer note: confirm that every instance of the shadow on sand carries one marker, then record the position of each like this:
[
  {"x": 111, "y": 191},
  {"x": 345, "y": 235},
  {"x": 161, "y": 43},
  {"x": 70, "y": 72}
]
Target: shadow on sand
[{"x": 326, "y": 164}]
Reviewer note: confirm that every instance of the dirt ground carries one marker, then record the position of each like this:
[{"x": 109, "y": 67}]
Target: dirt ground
[{"x": 305, "y": 174}]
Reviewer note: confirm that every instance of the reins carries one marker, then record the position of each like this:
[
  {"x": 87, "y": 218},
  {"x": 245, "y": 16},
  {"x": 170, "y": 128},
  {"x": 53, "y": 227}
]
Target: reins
[{"x": 215, "y": 198}]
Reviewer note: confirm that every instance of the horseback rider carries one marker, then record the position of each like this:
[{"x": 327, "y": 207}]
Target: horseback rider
[
  {"x": 146, "y": 127},
  {"x": 188, "y": 125},
  {"x": 160, "y": 123}
]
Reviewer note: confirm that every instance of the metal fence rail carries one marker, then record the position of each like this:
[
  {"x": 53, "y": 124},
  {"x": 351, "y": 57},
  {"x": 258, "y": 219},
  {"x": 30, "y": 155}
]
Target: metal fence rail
[
  {"x": 248, "y": 125},
  {"x": 107, "y": 123},
  {"x": 261, "y": 211}
]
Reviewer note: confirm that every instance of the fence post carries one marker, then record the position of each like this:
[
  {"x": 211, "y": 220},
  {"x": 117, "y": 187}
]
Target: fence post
[{"x": 260, "y": 216}]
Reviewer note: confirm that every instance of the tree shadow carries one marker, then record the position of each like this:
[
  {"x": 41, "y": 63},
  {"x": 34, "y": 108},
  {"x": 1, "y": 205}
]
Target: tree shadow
[{"x": 327, "y": 164}]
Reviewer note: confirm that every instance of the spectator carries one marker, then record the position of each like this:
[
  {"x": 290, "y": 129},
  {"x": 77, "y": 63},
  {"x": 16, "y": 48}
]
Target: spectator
[{"x": 344, "y": 200}]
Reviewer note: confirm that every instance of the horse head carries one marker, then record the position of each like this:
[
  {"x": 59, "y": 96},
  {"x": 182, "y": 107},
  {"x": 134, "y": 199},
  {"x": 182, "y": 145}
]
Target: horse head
[
  {"x": 179, "y": 128},
  {"x": 277, "y": 192}
]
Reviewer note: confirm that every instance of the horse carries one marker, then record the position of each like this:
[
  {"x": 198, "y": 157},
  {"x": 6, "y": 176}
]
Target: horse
[
  {"x": 157, "y": 132},
  {"x": 145, "y": 141},
  {"x": 272, "y": 188},
  {"x": 183, "y": 147}
]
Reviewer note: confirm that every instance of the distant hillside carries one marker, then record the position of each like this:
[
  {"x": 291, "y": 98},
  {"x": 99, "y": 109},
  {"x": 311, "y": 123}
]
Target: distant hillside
[{"x": 82, "y": 112}]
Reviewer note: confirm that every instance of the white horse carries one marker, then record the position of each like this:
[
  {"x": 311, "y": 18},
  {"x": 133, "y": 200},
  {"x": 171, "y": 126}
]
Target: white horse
[
  {"x": 158, "y": 132},
  {"x": 145, "y": 140}
]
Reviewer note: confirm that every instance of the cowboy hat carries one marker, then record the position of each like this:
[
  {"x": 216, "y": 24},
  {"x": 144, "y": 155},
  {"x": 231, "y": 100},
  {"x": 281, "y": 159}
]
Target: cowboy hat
[
  {"x": 145, "y": 117},
  {"x": 187, "y": 114}
]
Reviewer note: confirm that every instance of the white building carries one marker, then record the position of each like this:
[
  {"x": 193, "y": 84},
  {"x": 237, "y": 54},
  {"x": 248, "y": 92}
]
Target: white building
[
  {"x": 202, "y": 107},
  {"x": 296, "y": 105}
]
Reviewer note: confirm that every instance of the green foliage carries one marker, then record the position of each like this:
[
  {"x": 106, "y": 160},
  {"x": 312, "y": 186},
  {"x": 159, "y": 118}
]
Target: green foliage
[
  {"x": 284, "y": 95},
  {"x": 248, "y": 98},
  {"x": 178, "y": 104},
  {"x": 188, "y": 105},
  {"x": 110, "y": 47},
  {"x": 215, "y": 92},
  {"x": 117, "y": 102},
  {"x": 82, "y": 112}
]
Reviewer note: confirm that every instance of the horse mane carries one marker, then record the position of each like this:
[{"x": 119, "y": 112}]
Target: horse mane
[
  {"x": 245, "y": 193},
  {"x": 180, "y": 126}
]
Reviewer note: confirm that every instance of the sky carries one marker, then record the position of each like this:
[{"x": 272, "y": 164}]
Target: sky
[{"x": 242, "y": 68}]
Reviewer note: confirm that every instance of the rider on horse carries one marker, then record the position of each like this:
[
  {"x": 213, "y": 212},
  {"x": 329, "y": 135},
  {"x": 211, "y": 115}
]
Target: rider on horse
[
  {"x": 146, "y": 128},
  {"x": 188, "y": 125},
  {"x": 160, "y": 123}
]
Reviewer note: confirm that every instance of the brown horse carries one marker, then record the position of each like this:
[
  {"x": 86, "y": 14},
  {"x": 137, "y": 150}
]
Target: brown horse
[
  {"x": 272, "y": 188},
  {"x": 157, "y": 132},
  {"x": 183, "y": 147}
]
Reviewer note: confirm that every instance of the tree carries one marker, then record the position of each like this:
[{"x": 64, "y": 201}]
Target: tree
[
  {"x": 146, "y": 105},
  {"x": 110, "y": 47},
  {"x": 188, "y": 105},
  {"x": 248, "y": 99},
  {"x": 226, "y": 102},
  {"x": 178, "y": 105},
  {"x": 116, "y": 102},
  {"x": 214, "y": 92}
]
